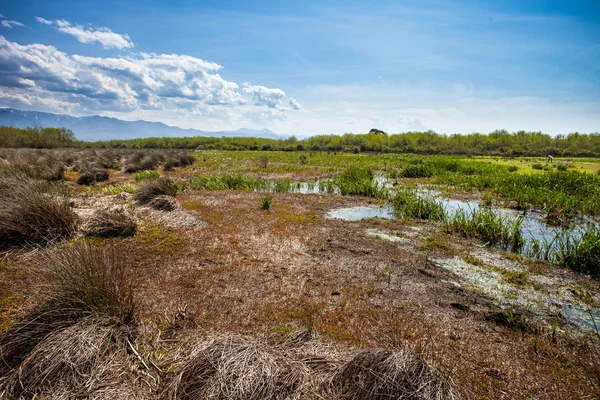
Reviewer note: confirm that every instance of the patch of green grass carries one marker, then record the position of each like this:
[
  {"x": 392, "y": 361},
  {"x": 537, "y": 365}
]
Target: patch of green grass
[
  {"x": 486, "y": 225},
  {"x": 116, "y": 189},
  {"x": 407, "y": 203},
  {"x": 139, "y": 176},
  {"x": 265, "y": 202}
]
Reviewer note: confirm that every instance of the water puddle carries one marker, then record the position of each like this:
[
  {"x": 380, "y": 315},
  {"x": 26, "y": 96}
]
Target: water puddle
[
  {"x": 585, "y": 318},
  {"x": 361, "y": 212}
]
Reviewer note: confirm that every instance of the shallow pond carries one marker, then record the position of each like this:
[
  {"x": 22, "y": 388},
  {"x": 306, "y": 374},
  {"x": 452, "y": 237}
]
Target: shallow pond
[{"x": 361, "y": 212}]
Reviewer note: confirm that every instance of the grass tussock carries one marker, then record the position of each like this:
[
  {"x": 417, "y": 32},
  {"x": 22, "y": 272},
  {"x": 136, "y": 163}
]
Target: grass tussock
[
  {"x": 148, "y": 190},
  {"x": 33, "y": 212},
  {"x": 580, "y": 252},
  {"x": 237, "y": 368},
  {"x": 164, "y": 203},
  {"x": 85, "y": 315},
  {"x": 376, "y": 374},
  {"x": 111, "y": 222}
]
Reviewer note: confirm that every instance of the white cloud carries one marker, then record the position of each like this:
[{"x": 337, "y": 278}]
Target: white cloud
[
  {"x": 410, "y": 124},
  {"x": 107, "y": 38},
  {"x": 136, "y": 81},
  {"x": 295, "y": 105},
  {"x": 263, "y": 96},
  {"x": 7, "y": 23},
  {"x": 43, "y": 20}
]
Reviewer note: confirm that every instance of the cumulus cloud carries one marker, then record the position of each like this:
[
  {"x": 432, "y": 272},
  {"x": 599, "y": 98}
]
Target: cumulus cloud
[
  {"x": 263, "y": 96},
  {"x": 141, "y": 81},
  {"x": 411, "y": 124},
  {"x": 295, "y": 105},
  {"x": 7, "y": 23},
  {"x": 107, "y": 38}
]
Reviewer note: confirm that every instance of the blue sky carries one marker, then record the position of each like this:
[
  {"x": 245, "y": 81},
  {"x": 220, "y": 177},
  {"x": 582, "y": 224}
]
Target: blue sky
[{"x": 309, "y": 67}]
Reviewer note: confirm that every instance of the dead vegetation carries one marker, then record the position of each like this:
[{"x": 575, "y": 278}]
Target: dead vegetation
[
  {"x": 378, "y": 374},
  {"x": 33, "y": 212},
  {"x": 76, "y": 334},
  {"x": 150, "y": 189},
  {"x": 111, "y": 222},
  {"x": 238, "y": 368}
]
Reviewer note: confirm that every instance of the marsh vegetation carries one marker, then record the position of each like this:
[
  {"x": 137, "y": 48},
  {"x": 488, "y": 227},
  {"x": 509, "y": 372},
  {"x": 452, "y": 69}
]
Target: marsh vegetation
[{"x": 168, "y": 263}]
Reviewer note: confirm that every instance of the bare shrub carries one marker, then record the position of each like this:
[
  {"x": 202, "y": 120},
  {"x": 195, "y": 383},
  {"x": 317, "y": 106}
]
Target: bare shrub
[
  {"x": 33, "y": 212},
  {"x": 238, "y": 368},
  {"x": 151, "y": 188},
  {"x": 111, "y": 222},
  {"x": 376, "y": 374},
  {"x": 164, "y": 203},
  {"x": 101, "y": 175}
]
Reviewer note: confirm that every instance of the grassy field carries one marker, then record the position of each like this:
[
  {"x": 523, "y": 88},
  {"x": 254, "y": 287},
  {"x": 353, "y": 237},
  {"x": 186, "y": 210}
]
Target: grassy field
[{"x": 212, "y": 276}]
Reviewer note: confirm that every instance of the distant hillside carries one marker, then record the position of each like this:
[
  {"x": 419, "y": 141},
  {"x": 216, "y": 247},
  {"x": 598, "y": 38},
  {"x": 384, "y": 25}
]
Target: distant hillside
[{"x": 94, "y": 128}]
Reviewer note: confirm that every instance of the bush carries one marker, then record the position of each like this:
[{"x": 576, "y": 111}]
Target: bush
[
  {"x": 109, "y": 222},
  {"x": 513, "y": 168},
  {"x": 537, "y": 166},
  {"x": 149, "y": 189},
  {"x": 33, "y": 212}
]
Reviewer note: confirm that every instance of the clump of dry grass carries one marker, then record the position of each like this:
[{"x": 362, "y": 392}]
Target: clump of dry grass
[
  {"x": 164, "y": 203},
  {"x": 33, "y": 212},
  {"x": 68, "y": 359},
  {"x": 238, "y": 368},
  {"x": 83, "y": 323},
  {"x": 111, "y": 222},
  {"x": 376, "y": 374},
  {"x": 149, "y": 189}
]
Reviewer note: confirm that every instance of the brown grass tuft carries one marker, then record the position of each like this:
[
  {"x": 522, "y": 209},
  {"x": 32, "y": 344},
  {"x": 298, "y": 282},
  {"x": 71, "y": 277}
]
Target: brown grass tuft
[
  {"x": 111, "y": 222},
  {"x": 238, "y": 368},
  {"x": 33, "y": 212},
  {"x": 164, "y": 203},
  {"x": 149, "y": 189},
  {"x": 376, "y": 374}
]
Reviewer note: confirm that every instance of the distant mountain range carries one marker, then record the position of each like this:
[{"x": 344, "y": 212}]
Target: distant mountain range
[{"x": 94, "y": 128}]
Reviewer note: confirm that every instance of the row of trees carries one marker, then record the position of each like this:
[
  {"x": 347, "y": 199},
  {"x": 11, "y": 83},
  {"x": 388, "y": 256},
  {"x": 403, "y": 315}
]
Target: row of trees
[
  {"x": 37, "y": 137},
  {"x": 502, "y": 143}
]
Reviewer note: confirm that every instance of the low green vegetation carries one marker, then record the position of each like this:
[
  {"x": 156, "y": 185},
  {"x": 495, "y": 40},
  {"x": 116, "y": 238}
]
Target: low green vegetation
[
  {"x": 141, "y": 175},
  {"x": 407, "y": 203},
  {"x": 265, "y": 202},
  {"x": 357, "y": 181},
  {"x": 488, "y": 226}
]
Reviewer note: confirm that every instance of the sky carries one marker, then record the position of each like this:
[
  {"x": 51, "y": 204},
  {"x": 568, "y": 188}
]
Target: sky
[{"x": 309, "y": 67}]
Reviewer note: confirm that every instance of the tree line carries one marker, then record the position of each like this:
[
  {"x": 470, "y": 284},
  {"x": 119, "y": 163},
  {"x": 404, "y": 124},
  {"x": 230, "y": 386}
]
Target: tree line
[{"x": 499, "y": 143}]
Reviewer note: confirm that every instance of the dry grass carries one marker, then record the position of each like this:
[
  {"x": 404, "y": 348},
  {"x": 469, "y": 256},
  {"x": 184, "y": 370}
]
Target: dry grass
[
  {"x": 84, "y": 320},
  {"x": 376, "y": 374},
  {"x": 149, "y": 189},
  {"x": 33, "y": 212},
  {"x": 164, "y": 203},
  {"x": 68, "y": 360},
  {"x": 111, "y": 222},
  {"x": 241, "y": 368}
]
